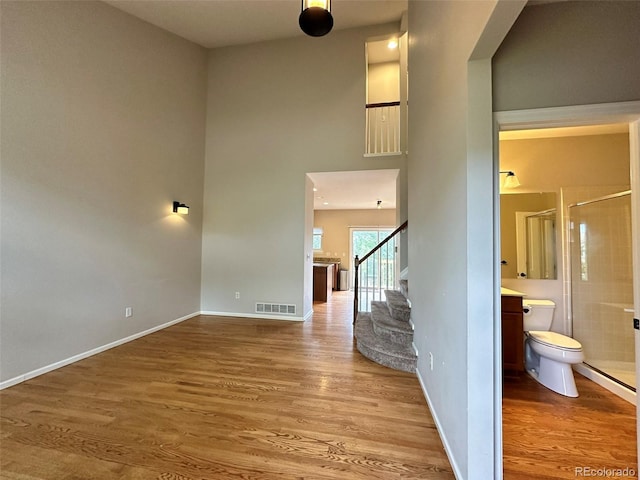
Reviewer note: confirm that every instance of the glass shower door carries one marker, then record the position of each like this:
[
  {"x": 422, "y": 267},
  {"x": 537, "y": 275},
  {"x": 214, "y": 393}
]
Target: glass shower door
[{"x": 602, "y": 285}]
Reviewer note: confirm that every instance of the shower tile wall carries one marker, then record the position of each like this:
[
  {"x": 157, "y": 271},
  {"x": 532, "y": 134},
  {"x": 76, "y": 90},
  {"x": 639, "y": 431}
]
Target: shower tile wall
[
  {"x": 570, "y": 196},
  {"x": 601, "y": 294}
]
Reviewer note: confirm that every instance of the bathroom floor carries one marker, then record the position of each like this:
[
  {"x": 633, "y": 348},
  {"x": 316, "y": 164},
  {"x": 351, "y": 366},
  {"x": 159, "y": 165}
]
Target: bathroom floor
[{"x": 547, "y": 436}]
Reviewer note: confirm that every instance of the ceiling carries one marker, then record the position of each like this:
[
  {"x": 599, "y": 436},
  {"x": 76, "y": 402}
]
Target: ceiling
[
  {"x": 220, "y": 23},
  {"x": 354, "y": 190}
]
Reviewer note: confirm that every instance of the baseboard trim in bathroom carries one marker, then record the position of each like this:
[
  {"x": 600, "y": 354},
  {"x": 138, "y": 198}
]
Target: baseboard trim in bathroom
[{"x": 603, "y": 381}]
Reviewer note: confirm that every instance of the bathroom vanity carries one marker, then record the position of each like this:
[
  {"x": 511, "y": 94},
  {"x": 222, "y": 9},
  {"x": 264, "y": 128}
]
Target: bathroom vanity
[{"x": 512, "y": 332}]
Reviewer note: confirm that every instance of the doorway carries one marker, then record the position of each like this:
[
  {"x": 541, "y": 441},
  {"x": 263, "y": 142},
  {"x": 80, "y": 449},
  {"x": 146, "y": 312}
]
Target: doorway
[{"x": 627, "y": 113}]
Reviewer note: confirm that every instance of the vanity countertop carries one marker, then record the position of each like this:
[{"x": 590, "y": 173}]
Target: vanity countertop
[{"x": 511, "y": 293}]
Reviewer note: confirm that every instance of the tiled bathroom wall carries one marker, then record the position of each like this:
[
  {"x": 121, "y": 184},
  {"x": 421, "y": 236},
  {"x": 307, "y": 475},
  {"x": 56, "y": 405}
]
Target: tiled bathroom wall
[{"x": 599, "y": 280}]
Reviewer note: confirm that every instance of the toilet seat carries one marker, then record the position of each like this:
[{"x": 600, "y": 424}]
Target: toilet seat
[{"x": 555, "y": 340}]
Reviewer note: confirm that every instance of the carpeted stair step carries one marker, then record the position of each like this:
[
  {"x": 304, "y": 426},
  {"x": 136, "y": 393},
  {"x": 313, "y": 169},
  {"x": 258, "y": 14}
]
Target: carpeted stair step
[
  {"x": 388, "y": 328},
  {"x": 390, "y": 355},
  {"x": 398, "y": 305}
]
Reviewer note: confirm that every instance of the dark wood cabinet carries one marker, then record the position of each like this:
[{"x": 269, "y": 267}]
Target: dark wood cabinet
[
  {"x": 336, "y": 269},
  {"x": 322, "y": 281},
  {"x": 512, "y": 336}
]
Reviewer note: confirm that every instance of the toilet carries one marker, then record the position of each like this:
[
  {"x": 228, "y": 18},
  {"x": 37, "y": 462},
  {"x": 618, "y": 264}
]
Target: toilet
[{"x": 549, "y": 355}]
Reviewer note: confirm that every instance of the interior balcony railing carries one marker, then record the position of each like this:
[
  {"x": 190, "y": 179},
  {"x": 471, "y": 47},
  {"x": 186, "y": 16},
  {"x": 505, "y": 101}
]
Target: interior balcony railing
[
  {"x": 383, "y": 128},
  {"x": 376, "y": 272}
]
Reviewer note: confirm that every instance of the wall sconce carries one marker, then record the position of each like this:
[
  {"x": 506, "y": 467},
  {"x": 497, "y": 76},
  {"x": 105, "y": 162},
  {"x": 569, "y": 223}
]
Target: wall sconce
[
  {"x": 315, "y": 18},
  {"x": 379, "y": 203},
  {"x": 510, "y": 181},
  {"x": 180, "y": 208}
]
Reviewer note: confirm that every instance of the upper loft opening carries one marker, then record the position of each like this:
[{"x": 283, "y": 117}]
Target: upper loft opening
[{"x": 386, "y": 93}]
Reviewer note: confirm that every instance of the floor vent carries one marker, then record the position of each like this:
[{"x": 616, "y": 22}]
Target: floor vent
[{"x": 275, "y": 308}]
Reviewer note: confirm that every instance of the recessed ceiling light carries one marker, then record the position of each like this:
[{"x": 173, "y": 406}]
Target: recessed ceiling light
[
  {"x": 315, "y": 189},
  {"x": 325, "y": 203}
]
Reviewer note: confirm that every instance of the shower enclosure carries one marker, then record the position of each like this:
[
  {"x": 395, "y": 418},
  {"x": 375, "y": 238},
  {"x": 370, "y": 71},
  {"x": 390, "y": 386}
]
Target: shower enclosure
[{"x": 602, "y": 285}]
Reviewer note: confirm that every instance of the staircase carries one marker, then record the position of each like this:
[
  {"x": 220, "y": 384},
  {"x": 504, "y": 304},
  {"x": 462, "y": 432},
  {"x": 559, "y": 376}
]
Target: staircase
[{"x": 385, "y": 334}]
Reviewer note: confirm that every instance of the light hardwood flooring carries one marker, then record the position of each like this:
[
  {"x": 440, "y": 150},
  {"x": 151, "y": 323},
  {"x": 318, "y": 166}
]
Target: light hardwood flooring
[
  {"x": 230, "y": 398},
  {"x": 225, "y": 398},
  {"x": 547, "y": 436}
]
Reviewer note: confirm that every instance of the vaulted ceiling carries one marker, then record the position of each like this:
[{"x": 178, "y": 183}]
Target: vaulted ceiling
[{"x": 219, "y": 23}]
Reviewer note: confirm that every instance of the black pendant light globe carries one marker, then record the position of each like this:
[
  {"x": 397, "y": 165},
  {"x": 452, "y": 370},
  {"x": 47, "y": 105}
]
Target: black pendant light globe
[{"x": 315, "y": 19}]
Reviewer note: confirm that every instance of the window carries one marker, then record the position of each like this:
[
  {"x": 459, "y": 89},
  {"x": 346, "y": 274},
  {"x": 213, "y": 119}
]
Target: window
[
  {"x": 317, "y": 238},
  {"x": 382, "y": 266}
]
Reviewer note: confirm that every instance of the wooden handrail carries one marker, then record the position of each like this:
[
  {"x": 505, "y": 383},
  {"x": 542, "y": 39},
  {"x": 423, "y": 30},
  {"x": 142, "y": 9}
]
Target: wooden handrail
[
  {"x": 389, "y": 237},
  {"x": 382, "y": 104},
  {"x": 358, "y": 261}
]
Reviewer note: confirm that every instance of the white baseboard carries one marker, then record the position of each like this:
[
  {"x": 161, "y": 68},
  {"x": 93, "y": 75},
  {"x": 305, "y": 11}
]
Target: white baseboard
[
  {"x": 443, "y": 438},
  {"x": 63, "y": 363},
  {"x": 290, "y": 318}
]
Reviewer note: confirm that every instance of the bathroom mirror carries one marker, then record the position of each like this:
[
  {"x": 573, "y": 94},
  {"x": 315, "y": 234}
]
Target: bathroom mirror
[{"x": 528, "y": 235}]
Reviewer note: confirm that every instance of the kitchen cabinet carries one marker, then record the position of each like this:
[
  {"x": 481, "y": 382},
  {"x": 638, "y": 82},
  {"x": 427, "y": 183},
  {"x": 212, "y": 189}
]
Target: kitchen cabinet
[
  {"x": 322, "y": 281},
  {"x": 336, "y": 269}
]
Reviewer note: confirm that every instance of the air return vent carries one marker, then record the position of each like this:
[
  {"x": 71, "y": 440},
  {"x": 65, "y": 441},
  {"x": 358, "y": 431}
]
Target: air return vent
[{"x": 275, "y": 308}]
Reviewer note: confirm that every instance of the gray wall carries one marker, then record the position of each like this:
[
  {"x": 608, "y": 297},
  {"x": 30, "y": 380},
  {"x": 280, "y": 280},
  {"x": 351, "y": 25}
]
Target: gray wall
[
  {"x": 102, "y": 128},
  {"x": 451, "y": 264},
  {"x": 569, "y": 53},
  {"x": 276, "y": 111}
]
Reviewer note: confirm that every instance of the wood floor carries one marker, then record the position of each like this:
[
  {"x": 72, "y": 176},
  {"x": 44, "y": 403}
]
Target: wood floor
[
  {"x": 225, "y": 398},
  {"x": 547, "y": 436},
  {"x": 228, "y": 398}
]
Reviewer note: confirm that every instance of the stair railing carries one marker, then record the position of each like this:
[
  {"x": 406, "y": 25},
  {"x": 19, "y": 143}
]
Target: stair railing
[
  {"x": 375, "y": 272},
  {"x": 382, "y": 128}
]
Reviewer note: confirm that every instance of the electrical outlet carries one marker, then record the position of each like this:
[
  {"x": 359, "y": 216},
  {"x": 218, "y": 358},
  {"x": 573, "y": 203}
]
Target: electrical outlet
[
  {"x": 430, "y": 361},
  {"x": 237, "y": 295},
  {"x": 128, "y": 312}
]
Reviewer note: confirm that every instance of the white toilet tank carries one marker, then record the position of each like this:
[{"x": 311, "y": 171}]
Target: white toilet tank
[{"x": 538, "y": 314}]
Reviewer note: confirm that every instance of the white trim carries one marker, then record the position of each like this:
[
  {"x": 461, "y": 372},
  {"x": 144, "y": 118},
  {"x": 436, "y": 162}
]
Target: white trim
[
  {"x": 570, "y": 116},
  {"x": 634, "y": 154},
  {"x": 606, "y": 382},
  {"x": 81, "y": 356},
  {"x": 290, "y": 318},
  {"x": 388, "y": 154},
  {"x": 443, "y": 438},
  {"x": 404, "y": 274}
]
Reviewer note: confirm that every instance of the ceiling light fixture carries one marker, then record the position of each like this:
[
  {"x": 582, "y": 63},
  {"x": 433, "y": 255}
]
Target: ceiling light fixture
[
  {"x": 393, "y": 44},
  {"x": 510, "y": 181},
  {"x": 315, "y": 18}
]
